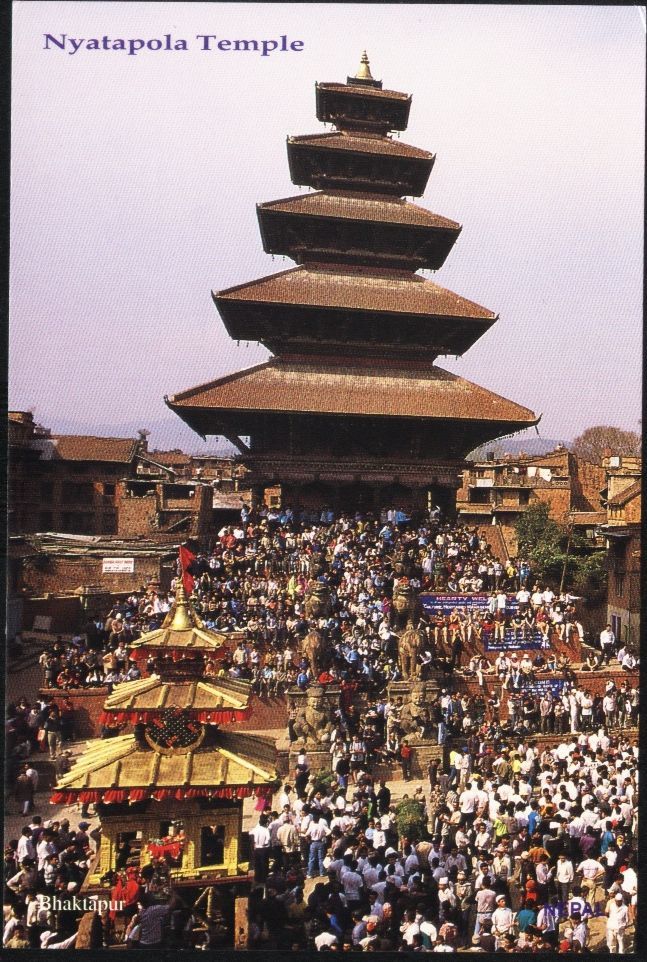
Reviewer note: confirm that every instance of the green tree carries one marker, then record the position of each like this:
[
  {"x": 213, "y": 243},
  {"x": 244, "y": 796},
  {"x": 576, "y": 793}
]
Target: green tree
[
  {"x": 586, "y": 573},
  {"x": 546, "y": 544},
  {"x": 410, "y": 820},
  {"x": 542, "y": 541},
  {"x": 592, "y": 443}
]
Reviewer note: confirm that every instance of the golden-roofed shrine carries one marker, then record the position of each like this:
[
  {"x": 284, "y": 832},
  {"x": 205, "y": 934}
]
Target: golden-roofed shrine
[
  {"x": 170, "y": 793},
  {"x": 181, "y": 804}
]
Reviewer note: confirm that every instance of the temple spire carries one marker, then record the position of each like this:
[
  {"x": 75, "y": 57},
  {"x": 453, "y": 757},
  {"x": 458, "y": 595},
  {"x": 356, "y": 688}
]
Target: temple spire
[
  {"x": 182, "y": 616},
  {"x": 364, "y": 77}
]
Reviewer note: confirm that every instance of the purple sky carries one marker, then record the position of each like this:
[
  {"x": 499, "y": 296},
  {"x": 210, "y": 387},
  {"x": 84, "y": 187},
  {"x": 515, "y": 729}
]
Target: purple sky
[{"x": 135, "y": 180}]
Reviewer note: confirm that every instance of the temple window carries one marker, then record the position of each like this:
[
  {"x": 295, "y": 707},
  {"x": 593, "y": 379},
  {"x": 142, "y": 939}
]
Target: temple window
[{"x": 212, "y": 845}]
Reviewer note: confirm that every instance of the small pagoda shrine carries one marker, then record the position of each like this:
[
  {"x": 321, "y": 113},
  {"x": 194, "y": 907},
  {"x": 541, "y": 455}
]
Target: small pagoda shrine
[
  {"x": 352, "y": 411},
  {"x": 172, "y": 790}
]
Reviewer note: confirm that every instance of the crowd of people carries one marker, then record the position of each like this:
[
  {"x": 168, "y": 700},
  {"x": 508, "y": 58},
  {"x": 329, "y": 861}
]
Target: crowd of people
[
  {"x": 512, "y": 849},
  {"x": 43, "y": 872},
  {"x": 255, "y": 580}
]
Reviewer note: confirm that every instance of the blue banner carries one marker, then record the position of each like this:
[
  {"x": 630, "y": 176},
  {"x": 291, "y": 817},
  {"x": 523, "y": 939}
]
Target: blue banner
[
  {"x": 512, "y": 642},
  {"x": 446, "y": 603},
  {"x": 542, "y": 685}
]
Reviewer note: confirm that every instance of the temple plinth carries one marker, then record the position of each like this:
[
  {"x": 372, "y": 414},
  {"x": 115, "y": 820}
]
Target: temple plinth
[{"x": 352, "y": 409}]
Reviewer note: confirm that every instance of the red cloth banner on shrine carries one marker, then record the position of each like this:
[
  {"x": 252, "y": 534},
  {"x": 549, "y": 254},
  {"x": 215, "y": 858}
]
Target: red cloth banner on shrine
[
  {"x": 217, "y": 716},
  {"x": 139, "y": 794},
  {"x": 186, "y": 559}
]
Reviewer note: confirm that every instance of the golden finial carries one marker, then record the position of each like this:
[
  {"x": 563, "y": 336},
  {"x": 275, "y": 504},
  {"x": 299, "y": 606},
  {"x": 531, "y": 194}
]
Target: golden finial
[
  {"x": 364, "y": 72},
  {"x": 179, "y": 617}
]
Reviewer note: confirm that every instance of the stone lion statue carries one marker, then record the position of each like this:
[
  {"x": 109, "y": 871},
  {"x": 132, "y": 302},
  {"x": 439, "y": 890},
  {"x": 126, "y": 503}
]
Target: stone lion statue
[
  {"x": 317, "y": 601},
  {"x": 314, "y": 722},
  {"x": 314, "y": 649}
]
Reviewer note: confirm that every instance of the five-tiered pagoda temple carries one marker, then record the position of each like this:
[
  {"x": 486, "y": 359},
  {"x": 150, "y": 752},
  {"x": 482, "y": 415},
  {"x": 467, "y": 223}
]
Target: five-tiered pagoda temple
[{"x": 352, "y": 411}]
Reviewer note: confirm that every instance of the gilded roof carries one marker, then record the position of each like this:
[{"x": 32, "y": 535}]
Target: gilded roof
[
  {"x": 361, "y": 143},
  {"x": 183, "y": 629},
  {"x": 356, "y": 288},
  {"x": 360, "y": 205},
  {"x": 388, "y": 389},
  {"x": 117, "y": 763},
  {"x": 153, "y": 693},
  {"x": 190, "y": 639}
]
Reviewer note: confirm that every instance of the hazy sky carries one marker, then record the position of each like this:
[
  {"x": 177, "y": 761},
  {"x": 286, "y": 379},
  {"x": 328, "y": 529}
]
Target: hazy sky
[{"x": 135, "y": 180}]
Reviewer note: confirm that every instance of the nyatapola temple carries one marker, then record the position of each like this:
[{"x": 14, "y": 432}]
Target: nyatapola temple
[{"x": 351, "y": 410}]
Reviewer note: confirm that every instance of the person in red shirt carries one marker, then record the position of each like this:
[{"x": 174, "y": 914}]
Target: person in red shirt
[{"x": 405, "y": 758}]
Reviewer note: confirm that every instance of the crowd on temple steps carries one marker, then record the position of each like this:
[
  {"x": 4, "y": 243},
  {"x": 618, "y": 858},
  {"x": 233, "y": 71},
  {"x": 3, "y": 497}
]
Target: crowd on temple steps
[{"x": 516, "y": 847}]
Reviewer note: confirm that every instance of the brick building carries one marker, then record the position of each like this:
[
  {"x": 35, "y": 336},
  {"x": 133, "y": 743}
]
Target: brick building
[
  {"x": 152, "y": 507},
  {"x": 65, "y": 483},
  {"x": 498, "y": 491},
  {"x": 623, "y": 496},
  {"x": 225, "y": 474},
  {"x": 172, "y": 465}
]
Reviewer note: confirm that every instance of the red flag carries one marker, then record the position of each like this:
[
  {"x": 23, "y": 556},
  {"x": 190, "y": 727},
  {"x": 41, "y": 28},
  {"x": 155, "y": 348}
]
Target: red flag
[{"x": 186, "y": 560}]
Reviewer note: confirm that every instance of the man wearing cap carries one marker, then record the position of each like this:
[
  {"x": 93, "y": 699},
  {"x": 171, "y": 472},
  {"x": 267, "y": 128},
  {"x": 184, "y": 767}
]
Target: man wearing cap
[
  {"x": 617, "y": 921},
  {"x": 502, "y": 920},
  {"x": 446, "y": 900}
]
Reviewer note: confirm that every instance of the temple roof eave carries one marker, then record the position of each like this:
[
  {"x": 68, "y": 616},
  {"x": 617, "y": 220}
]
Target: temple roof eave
[
  {"x": 382, "y": 290},
  {"x": 118, "y": 763},
  {"x": 152, "y": 692},
  {"x": 308, "y": 386},
  {"x": 337, "y": 140},
  {"x": 362, "y": 206}
]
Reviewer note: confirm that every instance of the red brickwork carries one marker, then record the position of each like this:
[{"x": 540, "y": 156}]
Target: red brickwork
[
  {"x": 58, "y": 575},
  {"x": 87, "y": 704}
]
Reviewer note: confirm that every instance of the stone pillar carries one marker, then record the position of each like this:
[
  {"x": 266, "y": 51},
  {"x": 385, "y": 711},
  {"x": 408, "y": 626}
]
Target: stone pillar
[{"x": 241, "y": 923}]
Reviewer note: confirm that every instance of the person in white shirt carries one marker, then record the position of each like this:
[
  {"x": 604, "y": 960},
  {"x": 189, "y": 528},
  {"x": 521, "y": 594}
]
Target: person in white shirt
[
  {"x": 502, "y": 920},
  {"x": 607, "y": 643},
  {"x": 325, "y": 940},
  {"x": 260, "y": 835},
  {"x": 409, "y": 927},
  {"x": 317, "y": 832},
  {"x": 564, "y": 876},
  {"x": 617, "y": 921},
  {"x": 26, "y": 847}
]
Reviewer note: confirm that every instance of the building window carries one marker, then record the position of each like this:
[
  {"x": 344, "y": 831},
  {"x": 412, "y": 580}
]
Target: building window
[
  {"x": 212, "y": 845},
  {"x": 524, "y": 497},
  {"x": 620, "y": 582},
  {"x": 109, "y": 489}
]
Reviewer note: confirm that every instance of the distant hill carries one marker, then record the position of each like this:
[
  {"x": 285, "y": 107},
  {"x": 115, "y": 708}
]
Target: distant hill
[{"x": 530, "y": 444}]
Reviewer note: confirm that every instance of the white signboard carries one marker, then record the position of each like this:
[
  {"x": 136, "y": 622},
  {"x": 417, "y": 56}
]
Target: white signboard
[{"x": 118, "y": 565}]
